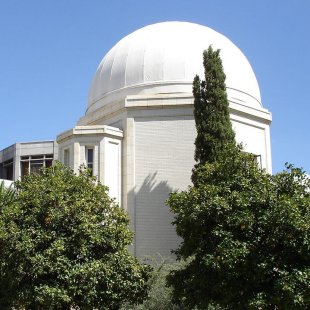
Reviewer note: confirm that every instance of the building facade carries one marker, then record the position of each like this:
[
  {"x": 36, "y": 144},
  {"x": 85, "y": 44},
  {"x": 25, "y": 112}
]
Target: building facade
[
  {"x": 20, "y": 159},
  {"x": 137, "y": 135}
]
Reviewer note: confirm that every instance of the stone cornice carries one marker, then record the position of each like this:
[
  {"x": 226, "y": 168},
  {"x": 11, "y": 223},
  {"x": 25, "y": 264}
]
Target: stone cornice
[
  {"x": 94, "y": 130},
  {"x": 161, "y": 101}
]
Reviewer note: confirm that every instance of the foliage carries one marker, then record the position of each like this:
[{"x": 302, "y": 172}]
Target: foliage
[
  {"x": 66, "y": 244},
  {"x": 160, "y": 295},
  {"x": 211, "y": 112},
  {"x": 245, "y": 233},
  {"x": 7, "y": 195},
  {"x": 245, "y": 236},
  {"x": 7, "y": 199}
]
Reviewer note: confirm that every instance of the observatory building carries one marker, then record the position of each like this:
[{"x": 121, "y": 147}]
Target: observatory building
[{"x": 138, "y": 131}]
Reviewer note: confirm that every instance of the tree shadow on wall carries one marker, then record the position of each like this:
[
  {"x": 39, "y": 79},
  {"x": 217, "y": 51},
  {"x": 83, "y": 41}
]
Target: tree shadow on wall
[{"x": 154, "y": 232}]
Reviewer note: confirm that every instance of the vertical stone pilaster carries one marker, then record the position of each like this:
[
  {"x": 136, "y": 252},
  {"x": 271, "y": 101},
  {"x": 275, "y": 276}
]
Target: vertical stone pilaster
[
  {"x": 101, "y": 162},
  {"x": 129, "y": 174},
  {"x": 76, "y": 157},
  {"x": 96, "y": 161},
  {"x": 268, "y": 150},
  {"x": 16, "y": 162}
]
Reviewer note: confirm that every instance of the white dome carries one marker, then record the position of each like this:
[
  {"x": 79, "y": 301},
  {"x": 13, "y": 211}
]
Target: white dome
[{"x": 163, "y": 59}]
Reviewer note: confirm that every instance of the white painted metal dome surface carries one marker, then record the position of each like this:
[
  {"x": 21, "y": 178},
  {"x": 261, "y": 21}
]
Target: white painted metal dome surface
[{"x": 163, "y": 58}]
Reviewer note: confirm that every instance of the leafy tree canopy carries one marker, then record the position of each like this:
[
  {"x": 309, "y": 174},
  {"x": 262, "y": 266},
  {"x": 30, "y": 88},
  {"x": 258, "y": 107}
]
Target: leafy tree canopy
[
  {"x": 246, "y": 237},
  {"x": 160, "y": 295},
  {"x": 245, "y": 233},
  {"x": 64, "y": 244},
  {"x": 7, "y": 195}
]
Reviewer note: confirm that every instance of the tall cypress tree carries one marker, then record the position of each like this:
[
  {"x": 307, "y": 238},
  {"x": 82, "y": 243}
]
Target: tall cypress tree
[
  {"x": 244, "y": 231},
  {"x": 214, "y": 129}
]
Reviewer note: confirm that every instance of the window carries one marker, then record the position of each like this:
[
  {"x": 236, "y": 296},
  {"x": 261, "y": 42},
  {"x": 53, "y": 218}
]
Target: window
[
  {"x": 256, "y": 158},
  {"x": 67, "y": 157},
  {"x": 7, "y": 168},
  {"x": 48, "y": 163},
  {"x": 90, "y": 159},
  {"x": 24, "y": 167},
  {"x": 33, "y": 163}
]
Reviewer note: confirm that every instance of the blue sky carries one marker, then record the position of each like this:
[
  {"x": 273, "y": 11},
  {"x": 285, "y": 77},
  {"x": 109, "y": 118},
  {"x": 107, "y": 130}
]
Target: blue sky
[{"x": 50, "y": 51}]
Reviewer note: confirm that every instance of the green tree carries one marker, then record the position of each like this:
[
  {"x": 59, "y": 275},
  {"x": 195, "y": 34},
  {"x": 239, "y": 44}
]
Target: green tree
[
  {"x": 245, "y": 233},
  {"x": 66, "y": 244},
  {"x": 245, "y": 237},
  {"x": 7, "y": 195},
  {"x": 7, "y": 200},
  {"x": 211, "y": 112},
  {"x": 160, "y": 295}
]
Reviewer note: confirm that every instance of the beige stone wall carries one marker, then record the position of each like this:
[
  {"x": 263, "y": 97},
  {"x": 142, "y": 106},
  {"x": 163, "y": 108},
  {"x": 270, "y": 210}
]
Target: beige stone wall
[
  {"x": 158, "y": 157},
  {"x": 164, "y": 153}
]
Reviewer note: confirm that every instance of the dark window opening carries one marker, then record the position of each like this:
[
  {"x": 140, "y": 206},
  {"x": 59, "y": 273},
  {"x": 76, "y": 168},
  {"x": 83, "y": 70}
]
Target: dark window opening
[
  {"x": 7, "y": 170},
  {"x": 33, "y": 163},
  {"x": 90, "y": 159},
  {"x": 67, "y": 157}
]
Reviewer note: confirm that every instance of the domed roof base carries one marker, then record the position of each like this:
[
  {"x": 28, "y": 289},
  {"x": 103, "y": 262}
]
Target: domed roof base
[{"x": 163, "y": 59}]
